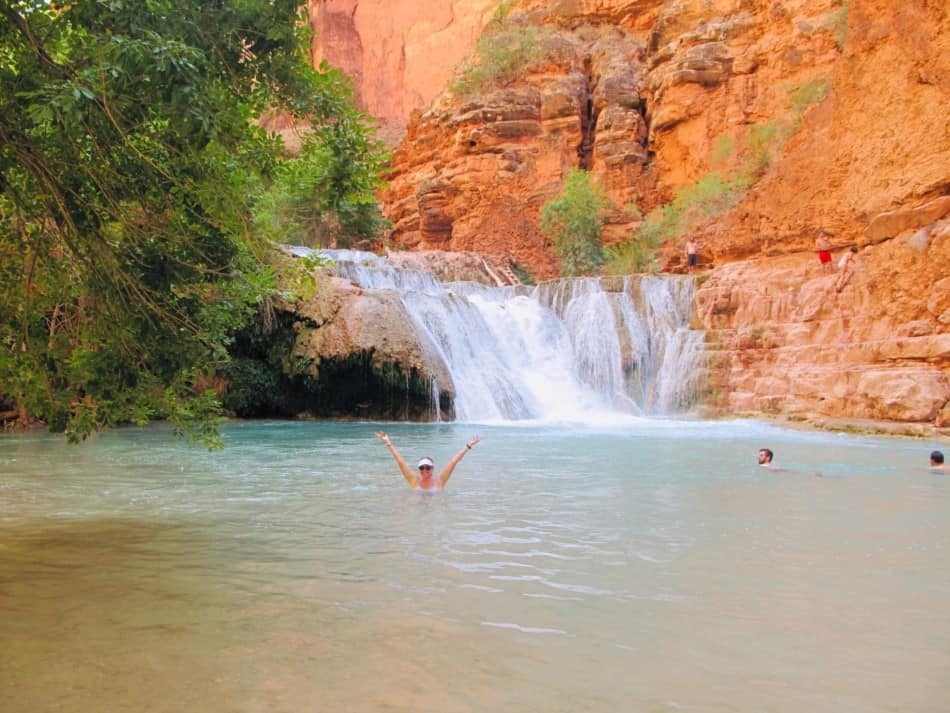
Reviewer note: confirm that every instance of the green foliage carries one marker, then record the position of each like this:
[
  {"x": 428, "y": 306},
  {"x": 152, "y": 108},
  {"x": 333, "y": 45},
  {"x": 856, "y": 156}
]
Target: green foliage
[
  {"x": 131, "y": 158},
  {"x": 502, "y": 54},
  {"x": 713, "y": 194},
  {"x": 574, "y": 221},
  {"x": 808, "y": 93},
  {"x": 764, "y": 139},
  {"x": 723, "y": 149},
  {"x": 325, "y": 196},
  {"x": 503, "y": 11},
  {"x": 837, "y": 24},
  {"x": 635, "y": 255},
  {"x": 522, "y": 273},
  {"x": 254, "y": 387}
]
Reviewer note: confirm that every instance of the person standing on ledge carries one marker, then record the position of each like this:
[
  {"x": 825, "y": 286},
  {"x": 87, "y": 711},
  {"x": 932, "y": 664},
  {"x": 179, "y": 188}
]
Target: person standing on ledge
[
  {"x": 936, "y": 460},
  {"x": 824, "y": 252},
  {"x": 692, "y": 247},
  {"x": 424, "y": 480}
]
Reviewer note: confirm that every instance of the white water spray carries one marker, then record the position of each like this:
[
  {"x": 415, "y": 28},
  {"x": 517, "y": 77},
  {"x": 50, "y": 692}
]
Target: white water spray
[{"x": 567, "y": 350}]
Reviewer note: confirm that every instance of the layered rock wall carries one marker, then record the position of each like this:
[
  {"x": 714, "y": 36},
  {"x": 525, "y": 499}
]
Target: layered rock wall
[
  {"x": 822, "y": 113},
  {"x": 399, "y": 53},
  {"x": 787, "y": 338},
  {"x": 643, "y": 94}
]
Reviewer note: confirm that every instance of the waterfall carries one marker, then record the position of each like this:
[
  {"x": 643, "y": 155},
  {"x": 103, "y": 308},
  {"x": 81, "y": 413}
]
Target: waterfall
[{"x": 565, "y": 350}]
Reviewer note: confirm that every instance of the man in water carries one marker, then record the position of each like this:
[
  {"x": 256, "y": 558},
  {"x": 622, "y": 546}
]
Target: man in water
[
  {"x": 936, "y": 460},
  {"x": 424, "y": 480}
]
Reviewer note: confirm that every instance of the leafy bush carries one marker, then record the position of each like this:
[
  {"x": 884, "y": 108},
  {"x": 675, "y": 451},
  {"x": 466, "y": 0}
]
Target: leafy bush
[
  {"x": 522, "y": 273},
  {"x": 837, "y": 24},
  {"x": 635, "y": 255},
  {"x": 503, "y": 11},
  {"x": 764, "y": 140},
  {"x": 254, "y": 388},
  {"x": 574, "y": 221},
  {"x": 723, "y": 149},
  {"x": 712, "y": 194},
  {"x": 808, "y": 93},
  {"x": 327, "y": 194},
  {"x": 502, "y": 54}
]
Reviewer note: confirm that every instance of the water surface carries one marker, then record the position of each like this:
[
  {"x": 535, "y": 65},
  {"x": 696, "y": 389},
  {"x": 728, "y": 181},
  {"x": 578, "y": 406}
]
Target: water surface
[{"x": 647, "y": 566}]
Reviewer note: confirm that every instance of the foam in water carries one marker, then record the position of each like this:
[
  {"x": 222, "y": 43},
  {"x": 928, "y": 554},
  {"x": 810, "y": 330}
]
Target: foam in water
[{"x": 566, "y": 350}]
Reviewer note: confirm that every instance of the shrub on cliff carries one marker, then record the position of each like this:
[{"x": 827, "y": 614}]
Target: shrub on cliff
[
  {"x": 714, "y": 193},
  {"x": 502, "y": 54},
  {"x": 574, "y": 220}
]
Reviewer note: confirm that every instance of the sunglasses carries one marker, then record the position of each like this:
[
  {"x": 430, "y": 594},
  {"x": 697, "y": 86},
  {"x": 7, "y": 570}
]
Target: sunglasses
[{"x": 425, "y": 467}]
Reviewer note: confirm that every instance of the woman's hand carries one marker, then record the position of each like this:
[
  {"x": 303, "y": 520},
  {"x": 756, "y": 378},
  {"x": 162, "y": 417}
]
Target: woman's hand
[
  {"x": 384, "y": 437},
  {"x": 472, "y": 442}
]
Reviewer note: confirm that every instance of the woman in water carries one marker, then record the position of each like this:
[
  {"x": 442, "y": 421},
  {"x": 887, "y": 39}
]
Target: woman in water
[{"x": 424, "y": 480}]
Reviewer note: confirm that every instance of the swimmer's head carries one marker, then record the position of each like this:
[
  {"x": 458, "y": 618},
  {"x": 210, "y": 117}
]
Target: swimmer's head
[
  {"x": 765, "y": 456},
  {"x": 936, "y": 458},
  {"x": 425, "y": 464}
]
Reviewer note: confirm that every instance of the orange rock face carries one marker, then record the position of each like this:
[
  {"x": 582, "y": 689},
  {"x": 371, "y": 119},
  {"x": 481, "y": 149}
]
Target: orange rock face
[
  {"x": 834, "y": 116},
  {"x": 784, "y": 337},
  {"x": 399, "y": 53},
  {"x": 473, "y": 172}
]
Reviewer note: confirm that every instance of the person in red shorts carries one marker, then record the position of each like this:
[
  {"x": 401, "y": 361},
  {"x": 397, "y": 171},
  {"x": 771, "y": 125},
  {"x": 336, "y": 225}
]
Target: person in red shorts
[{"x": 824, "y": 251}]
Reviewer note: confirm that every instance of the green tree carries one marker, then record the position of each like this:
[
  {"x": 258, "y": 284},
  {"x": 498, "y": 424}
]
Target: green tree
[
  {"x": 327, "y": 194},
  {"x": 574, "y": 220},
  {"x": 130, "y": 161}
]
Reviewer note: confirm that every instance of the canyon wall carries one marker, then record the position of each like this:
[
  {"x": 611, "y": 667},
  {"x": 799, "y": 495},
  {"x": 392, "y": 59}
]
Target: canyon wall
[
  {"x": 399, "y": 53},
  {"x": 815, "y": 113}
]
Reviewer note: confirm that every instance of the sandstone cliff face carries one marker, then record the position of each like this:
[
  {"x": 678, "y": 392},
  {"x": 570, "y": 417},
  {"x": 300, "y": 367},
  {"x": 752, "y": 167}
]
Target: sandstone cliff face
[
  {"x": 399, "y": 53},
  {"x": 842, "y": 110},
  {"x": 639, "y": 93},
  {"x": 783, "y": 339},
  {"x": 473, "y": 174}
]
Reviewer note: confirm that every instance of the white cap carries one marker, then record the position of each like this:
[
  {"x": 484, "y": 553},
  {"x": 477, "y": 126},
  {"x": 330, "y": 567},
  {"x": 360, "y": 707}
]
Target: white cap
[{"x": 425, "y": 461}]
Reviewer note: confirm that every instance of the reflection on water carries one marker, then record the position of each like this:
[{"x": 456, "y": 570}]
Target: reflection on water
[{"x": 651, "y": 567}]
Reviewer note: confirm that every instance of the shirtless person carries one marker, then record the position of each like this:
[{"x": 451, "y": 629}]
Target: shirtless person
[
  {"x": 424, "y": 480},
  {"x": 936, "y": 460},
  {"x": 691, "y": 249},
  {"x": 823, "y": 246},
  {"x": 846, "y": 268},
  {"x": 765, "y": 458}
]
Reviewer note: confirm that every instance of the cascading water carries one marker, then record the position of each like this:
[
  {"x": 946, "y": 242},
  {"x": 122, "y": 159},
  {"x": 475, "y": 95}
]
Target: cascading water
[{"x": 566, "y": 350}]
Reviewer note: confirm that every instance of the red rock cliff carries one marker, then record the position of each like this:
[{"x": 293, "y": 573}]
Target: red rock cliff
[
  {"x": 835, "y": 114},
  {"x": 400, "y": 53}
]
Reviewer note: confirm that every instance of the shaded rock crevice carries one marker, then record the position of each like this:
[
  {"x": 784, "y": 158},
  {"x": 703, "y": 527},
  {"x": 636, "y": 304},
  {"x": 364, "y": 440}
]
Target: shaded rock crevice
[{"x": 587, "y": 118}]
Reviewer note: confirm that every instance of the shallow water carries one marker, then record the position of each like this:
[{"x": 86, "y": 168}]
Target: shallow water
[{"x": 649, "y": 566}]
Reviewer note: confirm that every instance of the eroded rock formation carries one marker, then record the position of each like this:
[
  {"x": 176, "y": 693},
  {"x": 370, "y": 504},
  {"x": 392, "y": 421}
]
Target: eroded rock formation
[
  {"x": 340, "y": 350},
  {"x": 783, "y": 339},
  {"x": 835, "y": 111},
  {"x": 399, "y": 53}
]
